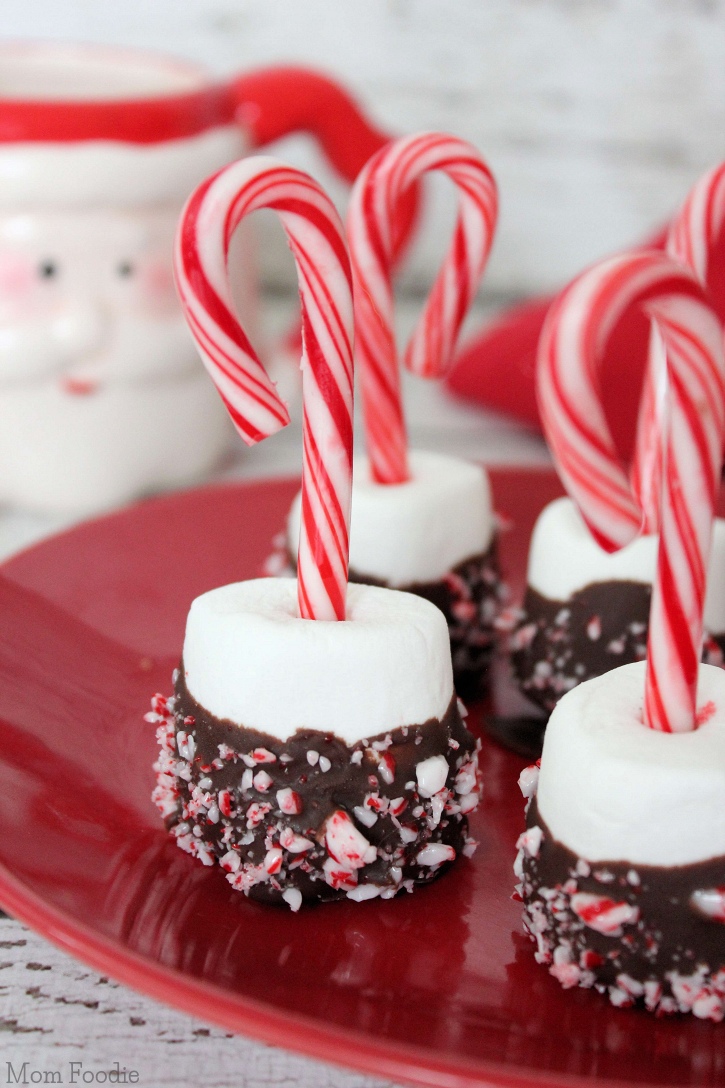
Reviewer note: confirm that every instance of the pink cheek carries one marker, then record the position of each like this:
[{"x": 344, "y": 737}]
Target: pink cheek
[
  {"x": 156, "y": 283},
  {"x": 18, "y": 277}
]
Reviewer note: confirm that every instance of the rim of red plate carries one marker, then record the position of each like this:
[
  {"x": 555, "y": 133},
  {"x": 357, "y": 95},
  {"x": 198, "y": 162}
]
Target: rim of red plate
[
  {"x": 247, "y": 1016},
  {"x": 173, "y": 98}
]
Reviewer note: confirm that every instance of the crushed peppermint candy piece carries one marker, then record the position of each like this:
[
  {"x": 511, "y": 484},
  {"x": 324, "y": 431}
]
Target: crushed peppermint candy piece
[
  {"x": 435, "y": 853},
  {"x": 346, "y": 844},
  {"x": 185, "y": 745},
  {"x": 603, "y": 914},
  {"x": 386, "y": 766},
  {"x": 529, "y": 781},
  {"x": 289, "y": 801},
  {"x": 709, "y": 903},
  {"x": 363, "y": 892},
  {"x": 262, "y": 781},
  {"x": 273, "y": 860},
  {"x": 230, "y": 862},
  {"x": 376, "y": 802},
  {"x": 365, "y": 816},
  {"x": 466, "y": 778},
  {"x": 262, "y": 755},
  {"x": 296, "y": 844},
  {"x": 339, "y": 877},
  {"x": 530, "y": 842},
  {"x": 293, "y": 898},
  {"x": 256, "y": 813},
  {"x": 159, "y": 704},
  {"x": 431, "y": 775}
]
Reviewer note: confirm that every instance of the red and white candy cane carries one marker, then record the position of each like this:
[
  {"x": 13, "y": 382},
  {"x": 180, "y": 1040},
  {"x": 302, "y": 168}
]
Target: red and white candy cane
[
  {"x": 316, "y": 237},
  {"x": 570, "y": 352},
  {"x": 691, "y": 239},
  {"x": 371, "y": 223}
]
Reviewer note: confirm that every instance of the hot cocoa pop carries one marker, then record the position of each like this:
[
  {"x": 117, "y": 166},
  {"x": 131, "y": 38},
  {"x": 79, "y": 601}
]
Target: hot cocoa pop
[
  {"x": 622, "y": 864},
  {"x": 421, "y": 521},
  {"x": 313, "y": 746}
]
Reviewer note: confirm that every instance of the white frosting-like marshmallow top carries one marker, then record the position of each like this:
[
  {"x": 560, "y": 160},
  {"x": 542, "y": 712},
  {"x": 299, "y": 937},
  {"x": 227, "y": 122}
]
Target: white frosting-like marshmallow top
[
  {"x": 564, "y": 558},
  {"x": 249, "y": 657},
  {"x": 416, "y": 531},
  {"x": 611, "y": 789}
]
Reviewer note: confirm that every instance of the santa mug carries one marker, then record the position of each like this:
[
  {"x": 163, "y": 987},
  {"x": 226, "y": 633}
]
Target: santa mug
[{"x": 102, "y": 395}]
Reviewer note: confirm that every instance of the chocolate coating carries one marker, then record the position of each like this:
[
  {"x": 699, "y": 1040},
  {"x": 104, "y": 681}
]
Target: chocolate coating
[
  {"x": 219, "y": 808},
  {"x": 556, "y": 645},
  {"x": 640, "y": 938}
]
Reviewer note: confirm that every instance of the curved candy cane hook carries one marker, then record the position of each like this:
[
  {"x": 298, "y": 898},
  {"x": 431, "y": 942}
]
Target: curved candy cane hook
[
  {"x": 372, "y": 218},
  {"x": 317, "y": 240}
]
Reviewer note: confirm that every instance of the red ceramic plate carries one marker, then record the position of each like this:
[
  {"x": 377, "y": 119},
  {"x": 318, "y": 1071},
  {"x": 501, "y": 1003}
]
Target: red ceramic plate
[{"x": 439, "y": 987}]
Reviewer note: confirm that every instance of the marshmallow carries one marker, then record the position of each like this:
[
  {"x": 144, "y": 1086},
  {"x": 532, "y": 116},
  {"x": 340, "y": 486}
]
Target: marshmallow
[
  {"x": 403, "y": 534},
  {"x": 564, "y": 558},
  {"x": 611, "y": 789},
  {"x": 249, "y": 658},
  {"x": 88, "y": 453}
]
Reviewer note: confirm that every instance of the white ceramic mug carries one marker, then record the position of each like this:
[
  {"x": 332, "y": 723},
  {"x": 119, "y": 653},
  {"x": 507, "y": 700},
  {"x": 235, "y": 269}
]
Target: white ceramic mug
[{"x": 102, "y": 395}]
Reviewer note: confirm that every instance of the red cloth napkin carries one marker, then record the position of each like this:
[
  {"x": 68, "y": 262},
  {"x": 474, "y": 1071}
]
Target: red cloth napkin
[{"x": 496, "y": 368}]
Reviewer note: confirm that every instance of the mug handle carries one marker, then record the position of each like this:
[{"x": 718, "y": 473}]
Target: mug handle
[{"x": 277, "y": 101}]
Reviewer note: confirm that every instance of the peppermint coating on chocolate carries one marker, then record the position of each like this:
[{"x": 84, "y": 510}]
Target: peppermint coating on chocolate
[
  {"x": 555, "y": 645},
  {"x": 311, "y": 817},
  {"x": 640, "y": 933},
  {"x": 470, "y": 597}
]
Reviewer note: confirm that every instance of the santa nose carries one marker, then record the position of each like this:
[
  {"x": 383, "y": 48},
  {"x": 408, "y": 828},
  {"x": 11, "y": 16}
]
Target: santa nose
[{"x": 81, "y": 329}]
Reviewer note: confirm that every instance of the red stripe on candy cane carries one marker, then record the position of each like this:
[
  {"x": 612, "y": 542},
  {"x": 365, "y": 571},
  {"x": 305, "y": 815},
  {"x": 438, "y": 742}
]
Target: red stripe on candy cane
[
  {"x": 692, "y": 237},
  {"x": 569, "y": 357},
  {"x": 317, "y": 240},
  {"x": 374, "y": 208}
]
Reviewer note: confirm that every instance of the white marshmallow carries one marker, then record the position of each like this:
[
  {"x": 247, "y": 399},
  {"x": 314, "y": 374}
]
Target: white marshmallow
[
  {"x": 248, "y": 657},
  {"x": 63, "y": 453},
  {"x": 564, "y": 558},
  {"x": 611, "y": 789},
  {"x": 416, "y": 531}
]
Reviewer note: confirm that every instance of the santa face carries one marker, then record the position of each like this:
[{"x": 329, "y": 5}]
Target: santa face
[
  {"x": 102, "y": 393},
  {"x": 87, "y": 299}
]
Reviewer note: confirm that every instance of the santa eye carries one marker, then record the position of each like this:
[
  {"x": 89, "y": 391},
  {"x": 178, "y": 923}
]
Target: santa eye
[
  {"x": 47, "y": 270},
  {"x": 125, "y": 269}
]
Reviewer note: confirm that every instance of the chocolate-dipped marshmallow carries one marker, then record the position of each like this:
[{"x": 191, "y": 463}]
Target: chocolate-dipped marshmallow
[
  {"x": 314, "y": 760},
  {"x": 622, "y": 865}
]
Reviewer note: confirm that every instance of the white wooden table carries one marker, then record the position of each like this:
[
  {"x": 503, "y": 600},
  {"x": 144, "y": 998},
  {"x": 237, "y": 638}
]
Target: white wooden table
[{"x": 55, "y": 1010}]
